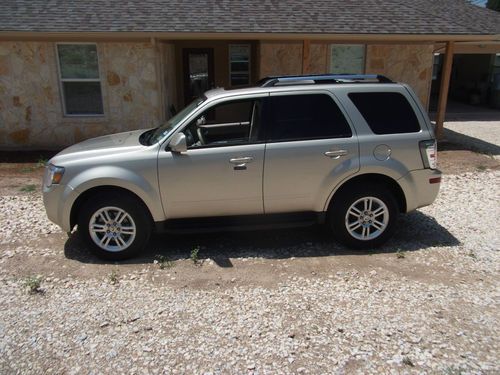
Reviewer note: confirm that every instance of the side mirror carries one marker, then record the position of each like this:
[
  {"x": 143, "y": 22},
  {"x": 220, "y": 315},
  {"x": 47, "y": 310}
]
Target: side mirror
[{"x": 178, "y": 143}]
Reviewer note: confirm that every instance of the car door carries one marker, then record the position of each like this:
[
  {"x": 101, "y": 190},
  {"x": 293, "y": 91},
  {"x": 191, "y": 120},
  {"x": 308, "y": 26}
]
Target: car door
[
  {"x": 310, "y": 148},
  {"x": 220, "y": 174}
]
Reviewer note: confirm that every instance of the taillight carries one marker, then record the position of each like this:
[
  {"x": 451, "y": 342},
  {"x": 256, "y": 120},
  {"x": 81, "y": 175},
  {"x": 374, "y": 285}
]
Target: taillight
[{"x": 428, "y": 151}]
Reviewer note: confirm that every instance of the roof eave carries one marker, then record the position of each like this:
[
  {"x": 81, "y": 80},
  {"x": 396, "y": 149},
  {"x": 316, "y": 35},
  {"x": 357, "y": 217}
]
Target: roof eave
[{"x": 144, "y": 36}]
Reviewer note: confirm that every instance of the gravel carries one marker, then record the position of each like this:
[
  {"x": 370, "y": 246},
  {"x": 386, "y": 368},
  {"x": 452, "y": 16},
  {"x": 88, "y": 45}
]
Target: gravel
[{"x": 428, "y": 302}]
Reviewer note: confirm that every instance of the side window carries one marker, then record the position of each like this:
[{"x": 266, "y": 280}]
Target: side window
[
  {"x": 308, "y": 116},
  {"x": 229, "y": 123},
  {"x": 386, "y": 112}
]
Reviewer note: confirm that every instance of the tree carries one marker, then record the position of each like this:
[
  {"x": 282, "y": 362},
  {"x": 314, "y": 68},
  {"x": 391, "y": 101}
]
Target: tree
[{"x": 493, "y": 4}]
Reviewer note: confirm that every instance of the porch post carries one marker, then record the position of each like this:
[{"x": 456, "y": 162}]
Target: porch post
[
  {"x": 444, "y": 88},
  {"x": 306, "y": 48}
]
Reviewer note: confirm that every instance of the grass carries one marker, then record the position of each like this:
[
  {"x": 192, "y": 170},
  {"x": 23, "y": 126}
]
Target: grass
[
  {"x": 28, "y": 188},
  {"x": 163, "y": 262},
  {"x": 194, "y": 255},
  {"x": 41, "y": 162},
  {"x": 400, "y": 254},
  {"x": 27, "y": 169},
  {"x": 32, "y": 284},
  {"x": 113, "y": 277}
]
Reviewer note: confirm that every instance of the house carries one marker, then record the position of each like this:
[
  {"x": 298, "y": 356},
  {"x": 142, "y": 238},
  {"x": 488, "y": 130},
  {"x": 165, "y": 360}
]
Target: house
[{"x": 78, "y": 69}]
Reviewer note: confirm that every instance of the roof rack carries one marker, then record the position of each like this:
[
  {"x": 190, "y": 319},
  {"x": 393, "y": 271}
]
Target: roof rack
[{"x": 323, "y": 78}]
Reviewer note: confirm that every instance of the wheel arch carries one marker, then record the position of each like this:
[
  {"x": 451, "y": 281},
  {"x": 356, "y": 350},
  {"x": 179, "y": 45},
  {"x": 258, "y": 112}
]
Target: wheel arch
[
  {"x": 103, "y": 189},
  {"x": 371, "y": 178}
]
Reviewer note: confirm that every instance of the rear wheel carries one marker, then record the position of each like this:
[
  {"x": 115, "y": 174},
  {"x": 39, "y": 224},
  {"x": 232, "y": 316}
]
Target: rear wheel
[
  {"x": 364, "y": 218},
  {"x": 114, "y": 226}
]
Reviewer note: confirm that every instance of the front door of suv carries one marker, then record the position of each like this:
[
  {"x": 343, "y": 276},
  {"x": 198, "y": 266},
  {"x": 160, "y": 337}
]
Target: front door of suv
[
  {"x": 220, "y": 174},
  {"x": 310, "y": 148}
]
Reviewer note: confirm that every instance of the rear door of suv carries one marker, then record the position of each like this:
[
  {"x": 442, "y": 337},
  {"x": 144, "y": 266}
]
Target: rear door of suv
[{"x": 310, "y": 147}]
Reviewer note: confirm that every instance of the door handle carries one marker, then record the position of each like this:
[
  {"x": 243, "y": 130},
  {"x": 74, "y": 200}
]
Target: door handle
[
  {"x": 335, "y": 154},
  {"x": 243, "y": 160}
]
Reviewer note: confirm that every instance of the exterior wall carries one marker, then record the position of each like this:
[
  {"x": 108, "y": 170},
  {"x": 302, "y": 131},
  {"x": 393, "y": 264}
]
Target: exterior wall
[
  {"x": 410, "y": 63},
  {"x": 280, "y": 58},
  {"x": 31, "y": 114}
]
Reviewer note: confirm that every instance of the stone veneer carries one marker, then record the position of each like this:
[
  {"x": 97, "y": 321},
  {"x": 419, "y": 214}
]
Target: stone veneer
[
  {"x": 409, "y": 63},
  {"x": 31, "y": 114}
]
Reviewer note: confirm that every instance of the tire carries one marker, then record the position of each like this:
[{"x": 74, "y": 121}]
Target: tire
[
  {"x": 360, "y": 226},
  {"x": 121, "y": 225}
]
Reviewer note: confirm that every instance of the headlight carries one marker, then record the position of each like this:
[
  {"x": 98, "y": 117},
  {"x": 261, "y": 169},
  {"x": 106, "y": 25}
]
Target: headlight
[{"x": 54, "y": 175}]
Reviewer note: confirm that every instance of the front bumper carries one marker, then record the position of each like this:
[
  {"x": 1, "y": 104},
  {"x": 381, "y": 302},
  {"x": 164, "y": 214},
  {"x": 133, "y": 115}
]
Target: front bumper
[
  {"x": 58, "y": 200},
  {"x": 420, "y": 187}
]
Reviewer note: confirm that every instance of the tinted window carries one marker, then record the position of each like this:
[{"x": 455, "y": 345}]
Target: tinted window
[
  {"x": 386, "y": 112},
  {"x": 295, "y": 117}
]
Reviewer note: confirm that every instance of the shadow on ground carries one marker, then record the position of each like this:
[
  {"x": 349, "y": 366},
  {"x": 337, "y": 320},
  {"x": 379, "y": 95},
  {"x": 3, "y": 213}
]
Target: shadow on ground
[
  {"x": 416, "y": 231},
  {"x": 459, "y": 141}
]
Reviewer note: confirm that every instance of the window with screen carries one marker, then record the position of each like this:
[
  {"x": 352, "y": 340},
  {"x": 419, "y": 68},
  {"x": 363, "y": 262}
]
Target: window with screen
[
  {"x": 80, "y": 81},
  {"x": 303, "y": 117},
  {"x": 386, "y": 112}
]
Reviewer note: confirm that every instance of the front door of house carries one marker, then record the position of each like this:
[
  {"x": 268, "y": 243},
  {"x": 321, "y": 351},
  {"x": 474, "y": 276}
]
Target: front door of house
[{"x": 198, "y": 67}]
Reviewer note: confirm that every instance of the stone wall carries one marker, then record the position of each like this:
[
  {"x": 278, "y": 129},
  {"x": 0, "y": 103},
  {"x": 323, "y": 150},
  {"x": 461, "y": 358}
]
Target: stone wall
[
  {"x": 31, "y": 113},
  {"x": 410, "y": 63},
  {"x": 280, "y": 58}
]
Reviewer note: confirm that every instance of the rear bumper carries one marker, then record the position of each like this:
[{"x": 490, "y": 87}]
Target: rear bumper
[{"x": 420, "y": 187}]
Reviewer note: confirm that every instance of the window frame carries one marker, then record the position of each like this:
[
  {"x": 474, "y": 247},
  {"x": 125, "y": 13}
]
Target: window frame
[
  {"x": 267, "y": 119},
  {"x": 62, "y": 80},
  {"x": 333, "y": 45},
  {"x": 209, "y": 106},
  {"x": 249, "y": 72}
]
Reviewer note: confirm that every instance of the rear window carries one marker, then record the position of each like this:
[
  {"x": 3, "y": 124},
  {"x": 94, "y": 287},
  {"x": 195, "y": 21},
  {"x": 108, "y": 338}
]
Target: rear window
[{"x": 386, "y": 112}]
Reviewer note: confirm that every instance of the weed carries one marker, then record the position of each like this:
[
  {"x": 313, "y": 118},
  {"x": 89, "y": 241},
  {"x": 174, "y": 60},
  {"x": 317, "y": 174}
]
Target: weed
[
  {"x": 32, "y": 284},
  {"x": 472, "y": 254},
  {"x": 194, "y": 255},
  {"x": 481, "y": 168},
  {"x": 41, "y": 162},
  {"x": 113, "y": 277},
  {"x": 407, "y": 361},
  {"x": 27, "y": 169},
  {"x": 163, "y": 262},
  {"x": 28, "y": 188},
  {"x": 400, "y": 254}
]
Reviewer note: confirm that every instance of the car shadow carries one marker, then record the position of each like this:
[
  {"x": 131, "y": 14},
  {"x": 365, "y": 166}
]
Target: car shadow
[{"x": 416, "y": 231}]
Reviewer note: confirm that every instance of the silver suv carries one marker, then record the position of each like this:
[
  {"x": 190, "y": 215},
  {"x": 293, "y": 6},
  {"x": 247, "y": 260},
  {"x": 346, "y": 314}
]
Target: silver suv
[{"x": 349, "y": 151}]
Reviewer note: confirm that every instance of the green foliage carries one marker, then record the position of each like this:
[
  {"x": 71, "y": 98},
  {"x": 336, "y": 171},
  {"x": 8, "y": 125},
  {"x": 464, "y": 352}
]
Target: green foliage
[
  {"x": 113, "y": 277},
  {"x": 163, "y": 262},
  {"x": 32, "y": 284},
  {"x": 28, "y": 188},
  {"x": 194, "y": 255}
]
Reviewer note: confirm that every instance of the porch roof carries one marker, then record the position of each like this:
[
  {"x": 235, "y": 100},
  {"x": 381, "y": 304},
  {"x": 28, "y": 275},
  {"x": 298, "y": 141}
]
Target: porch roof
[{"x": 402, "y": 17}]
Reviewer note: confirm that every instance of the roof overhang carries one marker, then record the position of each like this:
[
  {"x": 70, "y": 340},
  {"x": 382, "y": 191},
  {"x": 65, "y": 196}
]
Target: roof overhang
[{"x": 146, "y": 36}]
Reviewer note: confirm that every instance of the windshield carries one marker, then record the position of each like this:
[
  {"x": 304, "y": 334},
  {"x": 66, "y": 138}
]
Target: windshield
[{"x": 161, "y": 131}]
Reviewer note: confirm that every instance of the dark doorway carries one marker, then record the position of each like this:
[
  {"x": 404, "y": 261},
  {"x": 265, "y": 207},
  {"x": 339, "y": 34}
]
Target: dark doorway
[{"x": 198, "y": 68}]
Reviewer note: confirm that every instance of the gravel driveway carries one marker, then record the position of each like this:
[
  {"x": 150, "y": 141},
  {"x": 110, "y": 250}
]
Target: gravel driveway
[{"x": 287, "y": 301}]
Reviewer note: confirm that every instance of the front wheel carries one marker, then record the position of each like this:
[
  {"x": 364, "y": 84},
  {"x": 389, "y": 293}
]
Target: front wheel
[
  {"x": 364, "y": 217},
  {"x": 115, "y": 226}
]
